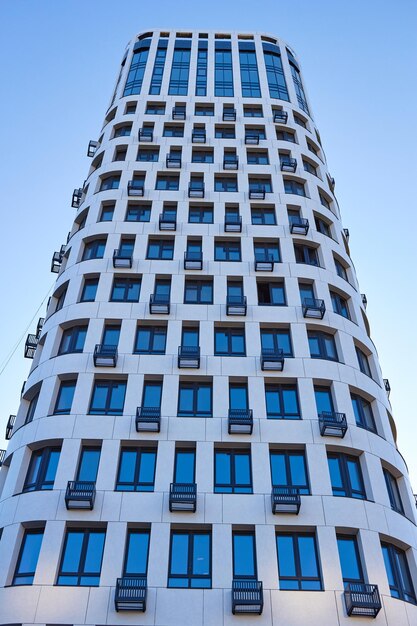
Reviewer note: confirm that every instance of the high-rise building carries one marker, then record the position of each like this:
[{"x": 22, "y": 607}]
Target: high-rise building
[{"x": 205, "y": 437}]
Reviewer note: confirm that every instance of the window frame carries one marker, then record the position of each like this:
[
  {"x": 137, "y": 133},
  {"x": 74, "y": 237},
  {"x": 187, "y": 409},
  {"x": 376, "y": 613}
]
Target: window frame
[
  {"x": 40, "y": 483},
  {"x": 304, "y": 490},
  {"x": 197, "y": 284},
  {"x": 80, "y": 573},
  {"x": 279, "y": 388},
  {"x": 64, "y": 384},
  {"x": 195, "y": 386},
  {"x": 154, "y": 331},
  {"x": 233, "y": 487},
  {"x": 30, "y": 574},
  {"x": 346, "y": 484},
  {"x": 321, "y": 337},
  {"x": 72, "y": 333},
  {"x": 108, "y": 409},
  {"x": 136, "y": 484},
  {"x": 127, "y": 283},
  {"x": 230, "y": 332},
  {"x": 299, "y": 578},
  {"x": 189, "y": 576},
  {"x": 399, "y": 573}
]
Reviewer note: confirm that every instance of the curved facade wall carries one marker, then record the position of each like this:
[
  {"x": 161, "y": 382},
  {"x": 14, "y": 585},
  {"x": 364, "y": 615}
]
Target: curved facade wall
[{"x": 267, "y": 228}]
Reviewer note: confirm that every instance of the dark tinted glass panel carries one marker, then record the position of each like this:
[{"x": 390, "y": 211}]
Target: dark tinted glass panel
[{"x": 28, "y": 557}]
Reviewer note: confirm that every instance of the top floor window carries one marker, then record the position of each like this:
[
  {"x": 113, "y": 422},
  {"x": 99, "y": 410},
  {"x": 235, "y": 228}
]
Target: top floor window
[
  {"x": 249, "y": 70},
  {"x": 274, "y": 72},
  {"x": 178, "y": 83},
  {"x": 137, "y": 68},
  {"x": 158, "y": 68},
  {"x": 223, "y": 72}
]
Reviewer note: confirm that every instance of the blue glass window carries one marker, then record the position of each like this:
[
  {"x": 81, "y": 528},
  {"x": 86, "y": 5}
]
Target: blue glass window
[
  {"x": 324, "y": 401},
  {"x": 298, "y": 84},
  {"x": 200, "y": 215},
  {"x": 150, "y": 340},
  {"x": 363, "y": 362},
  {"x": 340, "y": 305},
  {"x": 398, "y": 573},
  {"x": 282, "y": 402},
  {"x": 107, "y": 212},
  {"x": 275, "y": 340},
  {"x": 125, "y": 290},
  {"x": 350, "y": 562},
  {"x": 138, "y": 213},
  {"x": 298, "y": 562},
  {"x": 244, "y": 556},
  {"x": 108, "y": 397},
  {"x": 223, "y": 73},
  {"x": 202, "y": 156},
  {"x": 167, "y": 182},
  {"x": 393, "y": 492},
  {"x": 73, "y": 339},
  {"x": 65, "y": 397},
  {"x": 158, "y": 68},
  {"x": 152, "y": 394},
  {"x": 225, "y": 183},
  {"x": 275, "y": 73},
  {"x": 198, "y": 292},
  {"x": 184, "y": 466},
  {"x": 94, "y": 249},
  {"x": 160, "y": 249},
  {"x": 363, "y": 413},
  {"x": 201, "y": 80},
  {"x": 89, "y": 291},
  {"x": 81, "y": 558},
  {"x": 249, "y": 70},
  {"x": 28, "y": 557},
  {"x": 88, "y": 464},
  {"x": 122, "y": 131},
  {"x": 195, "y": 399},
  {"x": 238, "y": 396},
  {"x": 346, "y": 476},
  {"x": 295, "y": 187},
  {"x": 110, "y": 182},
  {"x": 266, "y": 250},
  {"x": 232, "y": 471},
  {"x": 229, "y": 342},
  {"x": 178, "y": 82},
  {"x": 137, "y": 550},
  {"x": 148, "y": 155},
  {"x": 257, "y": 158},
  {"x": 322, "y": 345},
  {"x": 190, "y": 560},
  {"x": 136, "y": 469},
  {"x": 137, "y": 68},
  {"x": 271, "y": 293},
  {"x": 227, "y": 250},
  {"x": 42, "y": 469},
  {"x": 289, "y": 469}
]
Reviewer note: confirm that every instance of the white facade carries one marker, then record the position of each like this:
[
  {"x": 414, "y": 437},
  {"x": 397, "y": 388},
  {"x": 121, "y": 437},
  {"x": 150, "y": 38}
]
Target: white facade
[{"x": 371, "y": 516}]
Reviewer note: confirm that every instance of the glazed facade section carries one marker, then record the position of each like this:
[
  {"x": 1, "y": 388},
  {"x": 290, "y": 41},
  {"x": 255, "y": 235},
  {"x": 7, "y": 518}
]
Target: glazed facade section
[{"x": 205, "y": 436}]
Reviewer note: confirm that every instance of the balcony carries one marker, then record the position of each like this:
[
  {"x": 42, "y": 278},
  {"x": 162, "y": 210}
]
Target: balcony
[
  {"x": 189, "y": 357},
  {"x": 159, "y": 304},
  {"x": 122, "y": 260},
  {"x": 280, "y": 117},
  {"x": 346, "y": 233},
  {"x": 332, "y": 424},
  {"x": 56, "y": 262},
  {"x": 167, "y": 221},
  {"x": 362, "y": 600},
  {"x": 364, "y": 300},
  {"x": 240, "y": 422},
  {"x": 247, "y": 597},
  {"x": 2, "y": 456},
  {"x": 198, "y": 136},
  {"x": 272, "y": 360},
  {"x": 80, "y": 494},
  {"x": 148, "y": 419},
  {"x": 229, "y": 115},
  {"x": 136, "y": 188},
  {"x": 76, "y": 198},
  {"x": 251, "y": 139},
  {"x": 178, "y": 113},
  {"x": 92, "y": 148},
  {"x": 231, "y": 162},
  {"x": 285, "y": 500},
  {"x": 299, "y": 225},
  {"x": 387, "y": 386},
  {"x": 193, "y": 260},
  {"x": 130, "y": 593},
  {"x": 39, "y": 326},
  {"x": 9, "y": 427},
  {"x": 236, "y": 305},
  {"x": 173, "y": 161},
  {"x": 257, "y": 192},
  {"x": 30, "y": 346},
  {"x": 183, "y": 497},
  {"x": 288, "y": 164},
  {"x": 312, "y": 307},
  {"x": 196, "y": 190},
  {"x": 232, "y": 223},
  {"x": 145, "y": 134},
  {"x": 264, "y": 263},
  {"x": 105, "y": 356}
]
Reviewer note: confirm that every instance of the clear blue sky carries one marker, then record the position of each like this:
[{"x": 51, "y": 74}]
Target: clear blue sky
[{"x": 59, "y": 64}]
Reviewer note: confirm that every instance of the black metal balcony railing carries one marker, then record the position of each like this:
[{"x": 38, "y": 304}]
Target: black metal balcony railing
[
  {"x": 2, "y": 456},
  {"x": 178, "y": 113},
  {"x": 288, "y": 164},
  {"x": 92, "y": 147},
  {"x": 247, "y": 597},
  {"x": 193, "y": 260},
  {"x": 264, "y": 263},
  {"x": 145, "y": 134},
  {"x": 229, "y": 115},
  {"x": 415, "y": 498},
  {"x": 312, "y": 307},
  {"x": 183, "y": 497},
  {"x": 105, "y": 356},
  {"x": 198, "y": 136},
  {"x": 148, "y": 419},
  {"x": 364, "y": 300},
  {"x": 196, "y": 190},
  {"x": 189, "y": 356},
  {"x": 159, "y": 304},
  {"x": 39, "y": 326},
  {"x": 280, "y": 117},
  {"x": 332, "y": 424},
  {"x": 167, "y": 221},
  {"x": 135, "y": 188},
  {"x": 346, "y": 233},
  {"x": 257, "y": 192},
  {"x": 30, "y": 346},
  {"x": 299, "y": 225},
  {"x": 236, "y": 305},
  {"x": 251, "y": 139},
  {"x": 387, "y": 386},
  {"x": 173, "y": 161},
  {"x": 122, "y": 259},
  {"x": 9, "y": 427},
  {"x": 130, "y": 594},
  {"x": 272, "y": 359},
  {"x": 233, "y": 223},
  {"x": 56, "y": 262},
  {"x": 80, "y": 494},
  {"x": 240, "y": 422},
  {"x": 76, "y": 198},
  {"x": 362, "y": 600},
  {"x": 231, "y": 162},
  {"x": 285, "y": 500}
]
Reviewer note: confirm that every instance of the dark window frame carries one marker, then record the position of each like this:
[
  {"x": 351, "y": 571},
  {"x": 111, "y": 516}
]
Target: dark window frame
[
  {"x": 107, "y": 409},
  {"x": 189, "y": 576},
  {"x": 279, "y": 389},
  {"x": 229, "y": 332},
  {"x": 195, "y": 386},
  {"x": 299, "y": 579},
  {"x": 136, "y": 484},
  {"x": 126, "y": 283},
  {"x": 346, "y": 487},
  {"x": 80, "y": 573},
  {"x": 233, "y": 487},
  {"x": 30, "y": 574},
  {"x": 287, "y": 454},
  {"x": 40, "y": 483}
]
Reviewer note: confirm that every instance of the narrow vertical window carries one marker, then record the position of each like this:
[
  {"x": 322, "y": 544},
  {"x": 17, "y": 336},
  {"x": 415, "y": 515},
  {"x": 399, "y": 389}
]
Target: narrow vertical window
[
  {"x": 137, "y": 68},
  {"x": 398, "y": 573},
  {"x": 298, "y": 84},
  {"x": 158, "y": 68},
  {"x": 178, "y": 82},
  {"x": 249, "y": 70},
  {"x": 201, "y": 80},
  {"x": 244, "y": 556},
  {"x": 28, "y": 557},
  {"x": 136, "y": 555},
  {"x": 350, "y": 562},
  {"x": 223, "y": 72},
  {"x": 275, "y": 73}
]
